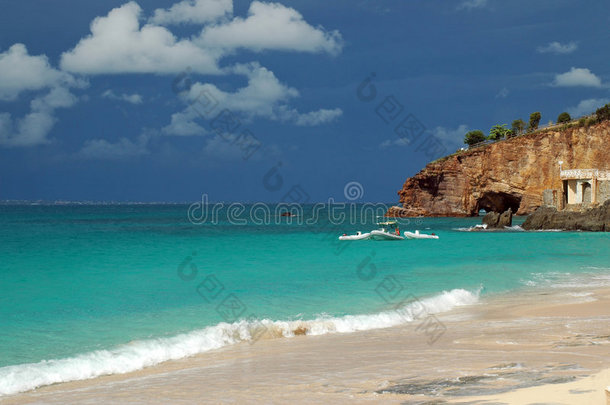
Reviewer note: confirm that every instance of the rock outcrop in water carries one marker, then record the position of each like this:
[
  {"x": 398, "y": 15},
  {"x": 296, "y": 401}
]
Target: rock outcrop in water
[
  {"x": 594, "y": 219},
  {"x": 495, "y": 220},
  {"x": 507, "y": 174},
  {"x": 506, "y": 219}
]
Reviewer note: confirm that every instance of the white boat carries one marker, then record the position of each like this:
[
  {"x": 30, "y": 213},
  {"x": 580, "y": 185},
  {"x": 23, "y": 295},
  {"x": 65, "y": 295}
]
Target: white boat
[
  {"x": 383, "y": 234},
  {"x": 378, "y": 234},
  {"x": 358, "y": 236},
  {"x": 417, "y": 235}
]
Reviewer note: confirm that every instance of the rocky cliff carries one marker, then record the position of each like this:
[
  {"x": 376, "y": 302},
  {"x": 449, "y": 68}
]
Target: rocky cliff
[{"x": 508, "y": 174}]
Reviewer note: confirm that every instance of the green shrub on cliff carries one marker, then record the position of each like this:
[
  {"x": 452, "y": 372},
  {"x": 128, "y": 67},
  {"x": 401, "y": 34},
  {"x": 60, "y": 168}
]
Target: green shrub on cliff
[
  {"x": 603, "y": 113},
  {"x": 563, "y": 118},
  {"x": 499, "y": 132},
  {"x": 534, "y": 121},
  {"x": 582, "y": 121},
  {"x": 474, "y": 137},
  {"x": 518, "y": 126}
]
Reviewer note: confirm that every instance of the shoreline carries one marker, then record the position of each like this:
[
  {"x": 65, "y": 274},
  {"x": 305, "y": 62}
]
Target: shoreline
[{"x": 502, "y": 347}]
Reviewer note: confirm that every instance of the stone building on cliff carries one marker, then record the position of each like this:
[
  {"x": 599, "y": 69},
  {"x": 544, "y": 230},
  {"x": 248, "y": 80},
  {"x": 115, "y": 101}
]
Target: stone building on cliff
[{"x": 581, "y": 188}]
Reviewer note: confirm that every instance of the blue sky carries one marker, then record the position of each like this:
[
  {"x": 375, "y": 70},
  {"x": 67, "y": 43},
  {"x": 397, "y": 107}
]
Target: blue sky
[{"x": 243, "y": 101}]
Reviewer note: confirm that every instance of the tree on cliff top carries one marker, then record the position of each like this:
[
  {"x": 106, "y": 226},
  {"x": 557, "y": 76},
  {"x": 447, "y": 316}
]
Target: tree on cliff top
[
  {"x": 534, "y": 121},
  {"x": 603, "y": 113},
  {"x": 474, "y": 137},
  {"x": 563, "y": 118},
  {"x": 499, "y": 132},
  {"x": 518, "y": 126}
]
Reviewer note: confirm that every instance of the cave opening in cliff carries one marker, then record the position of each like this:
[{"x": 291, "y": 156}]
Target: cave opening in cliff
[{"x": 498, "y": 202}]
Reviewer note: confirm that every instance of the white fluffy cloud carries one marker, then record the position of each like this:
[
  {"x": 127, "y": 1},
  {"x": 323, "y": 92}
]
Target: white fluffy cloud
[
  {"x": 118, "y": 44},
  {"x": 259, "y": 98},
  {"x": 311, "y": 118},
  {"x": 558, "y": 48},
  {"x": 586, "y": 107},
  {"x": 472, "y": 4},
  {"x": 129, "y": 98},
  {"x": 318, "y": 117},
  {"x": 264, "y": 96},
  {"x": 577, "y": 77},
  {"x": 32, "y": 129},
  {"x": 193, "y": 12},
  {"x": 271, "y": 26},
  {"x": 449, "y": 137},
  {"x": 122, "y": 149},
  {"x": 183, "y": 124},
  {"x": 393, "y": 142},
  {"x": 21, "y": 72}
]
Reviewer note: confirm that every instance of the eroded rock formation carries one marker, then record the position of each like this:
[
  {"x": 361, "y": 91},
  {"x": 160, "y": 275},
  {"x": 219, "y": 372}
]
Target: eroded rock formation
[
  {"x": 594, "y": 219},
  {"x": 507, "y": 174},
  {"x": 495, "y": 220}
]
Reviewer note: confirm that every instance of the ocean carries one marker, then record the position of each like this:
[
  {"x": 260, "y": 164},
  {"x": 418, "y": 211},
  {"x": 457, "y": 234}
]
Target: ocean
[{"x": 91, "y": 290}]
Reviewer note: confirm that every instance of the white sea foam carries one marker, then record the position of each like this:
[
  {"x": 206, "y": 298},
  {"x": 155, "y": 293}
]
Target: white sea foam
[
  {"x": 139, "y": 354},
  {"x": 558, "y": 280},
  {"x": 580, "y": 294},
  {"x": 514, "y": 228},
  {"x": 484, "y": 228},
  {"x": 474, "y": 228}
]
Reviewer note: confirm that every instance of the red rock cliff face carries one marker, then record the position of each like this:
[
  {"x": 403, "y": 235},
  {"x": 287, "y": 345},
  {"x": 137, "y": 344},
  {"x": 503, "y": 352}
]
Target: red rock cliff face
[{"x": 511, "y": 173}]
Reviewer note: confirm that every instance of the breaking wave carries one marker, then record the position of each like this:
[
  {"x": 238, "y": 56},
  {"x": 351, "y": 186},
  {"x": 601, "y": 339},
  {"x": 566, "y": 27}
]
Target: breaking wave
[{"x": 145, "y": 353}]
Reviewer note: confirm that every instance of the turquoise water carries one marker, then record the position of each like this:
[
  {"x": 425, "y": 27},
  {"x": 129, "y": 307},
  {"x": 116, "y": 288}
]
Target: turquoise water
[{"x": 80, "y": 279}]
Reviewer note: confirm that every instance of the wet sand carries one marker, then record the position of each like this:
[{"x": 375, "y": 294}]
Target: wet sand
[{"x": 535, "y": 347}]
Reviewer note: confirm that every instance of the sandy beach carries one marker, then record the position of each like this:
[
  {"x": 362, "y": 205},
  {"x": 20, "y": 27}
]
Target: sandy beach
[{"x": 536, "y": 347}]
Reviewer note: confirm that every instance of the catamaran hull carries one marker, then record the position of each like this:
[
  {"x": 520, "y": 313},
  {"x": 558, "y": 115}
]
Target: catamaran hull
[
  {"x": 362, "y": 236},
  {"x": 411, "y": 235},
  {"x": 381, "y": 235}
]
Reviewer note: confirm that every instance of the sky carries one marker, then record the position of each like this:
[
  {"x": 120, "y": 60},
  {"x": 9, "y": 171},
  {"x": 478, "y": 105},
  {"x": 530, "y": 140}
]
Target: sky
[{"x": 295, "y": 100}]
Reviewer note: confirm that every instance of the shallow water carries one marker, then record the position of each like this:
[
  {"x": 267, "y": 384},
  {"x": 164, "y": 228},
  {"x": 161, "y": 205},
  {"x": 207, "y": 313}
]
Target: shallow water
[{"x": 114, "y": 288}]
